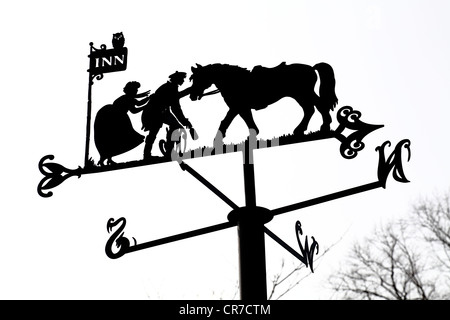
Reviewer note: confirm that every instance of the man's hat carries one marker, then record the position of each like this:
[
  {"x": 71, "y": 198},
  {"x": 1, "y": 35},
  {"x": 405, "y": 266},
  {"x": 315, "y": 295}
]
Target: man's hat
[{"x": 178, "y": 75}]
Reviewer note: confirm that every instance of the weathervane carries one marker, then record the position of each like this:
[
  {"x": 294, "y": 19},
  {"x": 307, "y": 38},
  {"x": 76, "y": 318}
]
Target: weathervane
[{"x": 242, "y": 90}]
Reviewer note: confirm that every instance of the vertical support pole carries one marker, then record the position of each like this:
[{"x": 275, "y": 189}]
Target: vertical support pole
[
  {"x": 252, "y": 255},
  {"x": 249, "y": 173},
  {"x": 89, "y": 108},
  {"x": 88, "y": 119}
]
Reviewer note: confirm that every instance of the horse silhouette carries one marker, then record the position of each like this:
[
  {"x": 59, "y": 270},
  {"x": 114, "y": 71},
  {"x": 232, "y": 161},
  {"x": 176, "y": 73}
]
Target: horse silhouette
[{"x": 244, "y": 90}]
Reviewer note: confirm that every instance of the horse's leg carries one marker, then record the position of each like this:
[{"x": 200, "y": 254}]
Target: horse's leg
[
  {"x": 308, "y": 110},
  {"x": 326, "y": 120},
  {"x": 100, "y": 162},
  {"x": 231, "y": 114},
  {"x": 247, "y": 116},
  {"x": 325, "y": 112}
]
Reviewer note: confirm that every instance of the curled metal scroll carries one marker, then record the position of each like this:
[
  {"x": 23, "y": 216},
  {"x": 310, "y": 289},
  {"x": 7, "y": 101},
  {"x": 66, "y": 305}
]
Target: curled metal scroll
[
  {"x": 54, "y": 175},
  {"x": 307, "y": 252},
  {"x": 98, "y": 76},
  {"x": 392, "y": 163},
  {"x": 102, "y": 47},
  {"x": 117, "y": 239},
  {"x": 350, "y": 119}
]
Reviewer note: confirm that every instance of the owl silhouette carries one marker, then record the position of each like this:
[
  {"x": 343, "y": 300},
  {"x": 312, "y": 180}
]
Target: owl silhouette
[{"x": 118, "y": 40}]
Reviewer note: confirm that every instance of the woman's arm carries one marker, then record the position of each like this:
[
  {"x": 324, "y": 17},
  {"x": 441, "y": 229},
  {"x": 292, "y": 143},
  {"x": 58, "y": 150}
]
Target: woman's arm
[
  {"x": 140, "y": 103},
  {"x": 143, "y": 94}
]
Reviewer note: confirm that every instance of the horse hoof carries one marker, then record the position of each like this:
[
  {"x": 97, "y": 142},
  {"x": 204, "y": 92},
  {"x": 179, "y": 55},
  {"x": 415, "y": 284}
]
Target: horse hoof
[
  {"x": 218, "y": 140},
  {"x": 254, "y": 132},
  {"x": 298, "y": 132},
  {"x": 217, "y": 143}
]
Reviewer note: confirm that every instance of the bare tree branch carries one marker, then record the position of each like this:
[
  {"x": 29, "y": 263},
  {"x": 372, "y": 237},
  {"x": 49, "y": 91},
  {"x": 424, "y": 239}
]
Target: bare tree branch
[
  {"x": 293, "y": 276},
  {"x": 403, "y": 259}
]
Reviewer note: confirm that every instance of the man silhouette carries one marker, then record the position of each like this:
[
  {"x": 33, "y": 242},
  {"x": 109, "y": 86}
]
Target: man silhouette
[{"x": 164, "y": 108}]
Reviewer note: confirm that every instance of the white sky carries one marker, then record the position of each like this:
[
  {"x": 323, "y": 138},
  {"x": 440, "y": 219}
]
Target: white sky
[{"x": 391, "y": 62}]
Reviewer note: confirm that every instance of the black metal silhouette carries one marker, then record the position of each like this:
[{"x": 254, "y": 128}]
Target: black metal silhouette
[
  {"x": 103, "y": 61},
  {"x": 118, "y": 244},
  {"x": 266, "y": 215},
  {"x": 393, "y": 163},
  {"x": 175, "y": 145},
  {"x": 113, "y": 132},
  {"x": 118, "y": 40},
  {"x": 164, "y": 108},
  {"x": 307, "y": 256},
  {"x": 117, "y": 239},
  {"x": 244, "y": 90},
  {"x": 251, "y": 220},
  {"x": 55, "y": 174},
  {"x": 350, "y": 119},
  {"x": 175, "y": 141}
]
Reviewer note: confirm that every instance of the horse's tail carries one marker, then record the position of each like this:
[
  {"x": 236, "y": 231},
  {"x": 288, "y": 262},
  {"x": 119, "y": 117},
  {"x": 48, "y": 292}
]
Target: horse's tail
[{"x": 327, "y": 94}]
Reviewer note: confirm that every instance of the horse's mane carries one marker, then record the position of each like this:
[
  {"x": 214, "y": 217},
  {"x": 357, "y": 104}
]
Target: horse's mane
[{"x": 236, "y": 70}]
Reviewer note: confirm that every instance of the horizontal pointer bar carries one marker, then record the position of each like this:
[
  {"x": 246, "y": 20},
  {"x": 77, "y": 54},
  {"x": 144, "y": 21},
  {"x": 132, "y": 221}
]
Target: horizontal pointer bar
[
  {"x": 332, "y": 196},
  {"x": 181, "y": 236}
]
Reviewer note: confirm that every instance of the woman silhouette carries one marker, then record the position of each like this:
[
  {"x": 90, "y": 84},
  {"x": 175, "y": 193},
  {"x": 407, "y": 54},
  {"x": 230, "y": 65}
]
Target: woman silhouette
[{"x": 113, "y": 132}]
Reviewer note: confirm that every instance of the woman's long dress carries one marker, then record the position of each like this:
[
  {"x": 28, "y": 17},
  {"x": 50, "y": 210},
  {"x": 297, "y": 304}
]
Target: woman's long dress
[{"x": 113, "y": 132}]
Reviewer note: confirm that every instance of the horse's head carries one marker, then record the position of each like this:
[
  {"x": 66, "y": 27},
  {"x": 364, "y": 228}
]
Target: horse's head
[{"x": 200, "y": 82}]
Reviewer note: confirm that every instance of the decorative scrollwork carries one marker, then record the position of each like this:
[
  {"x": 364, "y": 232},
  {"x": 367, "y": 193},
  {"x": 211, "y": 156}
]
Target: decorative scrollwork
[
  {"x": 117, "y": 239},
  {"x": 350, "y": 119},
  {"x": 307, "y": 252},
  {"x": 175, "y": 143},
  {"x": 102, "y": 47},
  {"x": 98, "y": 76},
  {"x": 393, "y": 162},
  {"x": 55, "y": 174}
]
